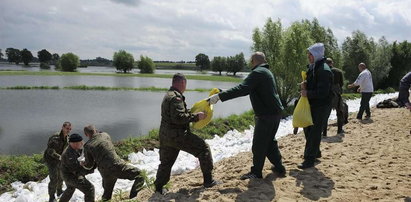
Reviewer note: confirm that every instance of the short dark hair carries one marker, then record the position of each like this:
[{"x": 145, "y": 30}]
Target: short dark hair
[
  {"x": 329, "y": 61},
  {"x": 90, "y": 129},
  {"x": 66, "y": 124},
  {"x": 178, "y": 77}
]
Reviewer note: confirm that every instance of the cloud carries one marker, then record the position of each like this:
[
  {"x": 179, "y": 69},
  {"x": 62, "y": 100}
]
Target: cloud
[{"x": 180, "y": 29}]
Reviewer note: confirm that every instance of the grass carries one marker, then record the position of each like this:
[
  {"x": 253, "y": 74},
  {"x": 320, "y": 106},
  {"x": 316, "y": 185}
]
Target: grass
[
  {"x": 168, "y": 76},
  {"x": 100, "y": 88}
]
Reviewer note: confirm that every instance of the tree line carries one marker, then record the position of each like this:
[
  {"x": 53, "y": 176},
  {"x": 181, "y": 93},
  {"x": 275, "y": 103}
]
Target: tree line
[{"x": 286, "y": 52}]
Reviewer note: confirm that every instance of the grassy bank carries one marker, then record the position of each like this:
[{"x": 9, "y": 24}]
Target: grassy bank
[
  {"x": 102, "y": 88},
  {"x": 168, "y": 76}
]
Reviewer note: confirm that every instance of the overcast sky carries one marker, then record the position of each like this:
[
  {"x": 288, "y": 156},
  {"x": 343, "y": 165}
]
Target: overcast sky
[{"x": 180, "y": 29}]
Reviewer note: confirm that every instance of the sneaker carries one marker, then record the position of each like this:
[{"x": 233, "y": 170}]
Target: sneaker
[
  {"x": 137, "y": 186},
  {"x": 212, "y": 183},
  {"x": 340, "y": 131},
  {"x": 250, "y": 175},
  {"x": 305, "y": 165}
]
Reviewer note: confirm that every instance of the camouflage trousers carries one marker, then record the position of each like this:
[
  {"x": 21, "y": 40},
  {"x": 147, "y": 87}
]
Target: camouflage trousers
[
  {"x": 342, "y": 113},
  {"x": 56, "y": 182},
  {"x": 82, "y": 184},
  {"x": 174, "y": 140},
  {"x": 121, "y": 170}
]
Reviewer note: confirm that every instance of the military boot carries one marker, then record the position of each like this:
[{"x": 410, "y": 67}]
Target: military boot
[
  {"x": 209, "y": 181},
  {"x": 161, "y": 190},
  {"x": 137, "y": 186}
]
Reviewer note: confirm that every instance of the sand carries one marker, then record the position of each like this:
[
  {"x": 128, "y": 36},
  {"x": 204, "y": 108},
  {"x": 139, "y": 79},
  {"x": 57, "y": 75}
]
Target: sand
[{"x": 371, "y": 161}]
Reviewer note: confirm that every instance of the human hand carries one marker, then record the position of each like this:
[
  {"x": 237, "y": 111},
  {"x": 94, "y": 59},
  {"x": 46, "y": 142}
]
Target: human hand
[
  {"x": 201, "y": 115},
  {"x": 304, "y": 93},
  {"x": 213, "y": 99},
  {"x": 359, "y": 90},
  {"x": 350, "y": 85},
  {"x": 303, "y": 85}
]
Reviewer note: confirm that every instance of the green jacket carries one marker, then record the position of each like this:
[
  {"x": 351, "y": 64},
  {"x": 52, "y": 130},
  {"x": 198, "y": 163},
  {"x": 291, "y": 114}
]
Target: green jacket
[
  {"x": 262, "y": 88},
  {"x": 319, "y": 84},
  {"x": 70, "y": 167},
  {"x": 99, "y": 151},
  {"x": 174, "y": 112},
  {"x": 55, "y": 147},
  {"x": 338, "y": 82}
]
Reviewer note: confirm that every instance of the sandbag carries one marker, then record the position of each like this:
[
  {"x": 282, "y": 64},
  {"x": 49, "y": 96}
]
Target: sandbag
[
  {"x": 204, "y": 106},
  {"x": 302, "y": 112}
]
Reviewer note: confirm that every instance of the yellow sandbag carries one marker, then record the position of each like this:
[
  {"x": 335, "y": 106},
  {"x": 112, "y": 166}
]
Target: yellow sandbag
[
  {"x": 302, "y": 112},
  {"x": 204, "y": 106}
]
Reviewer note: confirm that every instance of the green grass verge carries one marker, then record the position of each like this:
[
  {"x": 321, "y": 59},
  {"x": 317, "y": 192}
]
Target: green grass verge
[{"x": 168, "y": 76}]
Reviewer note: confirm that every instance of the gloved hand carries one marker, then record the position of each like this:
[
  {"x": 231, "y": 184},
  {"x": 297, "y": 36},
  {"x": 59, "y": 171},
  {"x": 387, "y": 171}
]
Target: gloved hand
[{"x": 213, "y": 99}]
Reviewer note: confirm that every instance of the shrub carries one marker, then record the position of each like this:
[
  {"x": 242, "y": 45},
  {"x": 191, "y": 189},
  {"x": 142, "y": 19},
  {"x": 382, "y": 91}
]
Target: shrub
[{"x": 69, "y": 62}]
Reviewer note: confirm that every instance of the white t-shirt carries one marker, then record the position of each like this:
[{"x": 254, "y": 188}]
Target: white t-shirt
[{"x": 364, "y": 80}]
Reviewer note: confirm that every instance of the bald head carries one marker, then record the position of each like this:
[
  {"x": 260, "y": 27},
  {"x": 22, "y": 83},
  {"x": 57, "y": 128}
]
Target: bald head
[
  {"x": 258, "y": 58},
  {"x": 362, "y": 66}
]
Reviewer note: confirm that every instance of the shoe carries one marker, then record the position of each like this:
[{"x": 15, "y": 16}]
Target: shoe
[
  {"x": 367, "y": 117},
  {"x": 212, "y": 183},
  {"x": 340, "y": 131},
  {"x": 305, "y": 165},
  {"x": 137, "y": 186},
  {"x": 162, "y": 191},
  {"x": 280, "y": 171},
  {"x": 250, "y": 175},
  {"x": 295, "y": 131},
  {"x": 319, "y": 155}
]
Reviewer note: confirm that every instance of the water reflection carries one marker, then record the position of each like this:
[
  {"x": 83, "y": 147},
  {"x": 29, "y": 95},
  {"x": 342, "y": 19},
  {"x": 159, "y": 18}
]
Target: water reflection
[{"x": 29, "y": 117}]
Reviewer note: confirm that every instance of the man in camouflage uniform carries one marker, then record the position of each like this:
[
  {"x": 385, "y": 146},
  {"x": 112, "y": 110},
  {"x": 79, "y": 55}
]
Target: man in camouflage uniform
[
  {"x": 337, "y": 102},
  {"x": 73, "y": 173},
  {"x": 99, "y": 151},
  {"x": 55, "y": 147},
  {"x": 175, "y": 135}
]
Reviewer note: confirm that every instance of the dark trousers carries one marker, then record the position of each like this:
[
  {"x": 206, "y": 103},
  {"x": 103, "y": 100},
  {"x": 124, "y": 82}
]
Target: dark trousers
[
  {"x": 56, "y": 182},
  {"x": 170, "y": 145},
  {"x": 121, "y": 170},
  {"x": 403, "y": 95},
  {"x": 342, "y": 113},
  {"x": 264, "y": 143},
  {"x": 365, "y": 105},
  {"x": 80, "y": 183},
  {"x": 313, "y": 133}
]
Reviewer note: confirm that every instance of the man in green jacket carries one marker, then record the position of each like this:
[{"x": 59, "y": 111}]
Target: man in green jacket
[
  {"x": 175, "y": 135},
  {"x": 261, "y": 86},
  {"x": 319, "y": 93},
  {"x": 99, "y": 151},
  {"x": 52, "y": 156},
  {"x": 73, "y": 173}
]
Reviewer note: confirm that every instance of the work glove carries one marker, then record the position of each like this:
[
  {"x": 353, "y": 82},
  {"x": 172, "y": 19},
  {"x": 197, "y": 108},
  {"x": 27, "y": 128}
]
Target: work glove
[{"x": 213, "y": 99}]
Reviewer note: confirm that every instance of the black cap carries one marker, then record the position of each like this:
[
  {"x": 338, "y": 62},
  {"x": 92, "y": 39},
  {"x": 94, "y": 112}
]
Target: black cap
[{"x": 75, "y": 138}]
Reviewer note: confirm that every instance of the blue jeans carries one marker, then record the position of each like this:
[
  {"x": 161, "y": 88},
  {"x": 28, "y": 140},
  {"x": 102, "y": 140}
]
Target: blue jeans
[{"x": 365, "y": 105}]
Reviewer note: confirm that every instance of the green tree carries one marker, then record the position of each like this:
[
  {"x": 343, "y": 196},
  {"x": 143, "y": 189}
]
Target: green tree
[
  {"x": 356, "y": 49},
  {"x": 55, "y": 58},
  {"x": 26, "y": 56},
  {"x": 218, "y": 64},
  {"x": 123, "y": 61},
  {"x": 401, "y": 64},
  {"x": 146, "y": 65},
  {"x": 381, "y": 62},
  {"x": 237, "y": 63},
  {"x": 202, "y": 61},
  {"x": 69, "y": 62},
  {"x": 44, "y": 56},
  {"x": 13, "y": 55}
]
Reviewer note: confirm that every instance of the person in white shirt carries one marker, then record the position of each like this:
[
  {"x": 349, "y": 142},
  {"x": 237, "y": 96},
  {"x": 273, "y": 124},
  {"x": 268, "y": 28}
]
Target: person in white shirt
[{"x": 364, "y": 81}]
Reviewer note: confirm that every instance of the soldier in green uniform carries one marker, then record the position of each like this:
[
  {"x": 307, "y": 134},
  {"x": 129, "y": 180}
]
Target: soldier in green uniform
[
  {"x": 175, "y": 135},
  {"x": 262, "y": 88},
  {"x": 318, "y": 90},
  {"x": 73, "y": 173},
  {"x": 337, "y": 102},
  {"x": 99, "y": 151},
  {"x": 52, "y": 155}
]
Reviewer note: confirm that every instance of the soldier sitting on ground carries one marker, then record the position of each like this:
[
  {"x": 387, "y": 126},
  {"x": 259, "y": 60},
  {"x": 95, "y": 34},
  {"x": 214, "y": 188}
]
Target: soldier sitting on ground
[
  {"x": 52, "y": 155},
  {"x": 99, "y": 151},
  {"x": 73, "y": 173}
]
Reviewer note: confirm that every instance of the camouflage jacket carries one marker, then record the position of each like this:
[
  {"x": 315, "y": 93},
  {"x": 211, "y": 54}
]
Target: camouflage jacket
[
  {"x": 70, "y": 167},
  {"x": 55, "y": 147},
  {"x": 174, "y": 112},
  {"x": 99, "y": 151}
]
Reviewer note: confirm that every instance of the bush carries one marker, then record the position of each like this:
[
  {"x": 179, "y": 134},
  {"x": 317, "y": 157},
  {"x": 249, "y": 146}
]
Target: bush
[
  {"x": 123, "y": 61},
  {"x": 44, "y": 65},
  {"x": 146, "y": 65},
  {"x": 69, "y": 62}
]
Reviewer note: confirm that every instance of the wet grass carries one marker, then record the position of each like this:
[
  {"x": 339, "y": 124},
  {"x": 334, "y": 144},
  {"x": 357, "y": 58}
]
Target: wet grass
[{"x": 99, "y": 88}]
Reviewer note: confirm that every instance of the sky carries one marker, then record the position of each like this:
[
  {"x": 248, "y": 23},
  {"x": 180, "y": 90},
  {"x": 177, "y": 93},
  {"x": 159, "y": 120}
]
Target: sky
[{"x": 180, "y": 29}]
